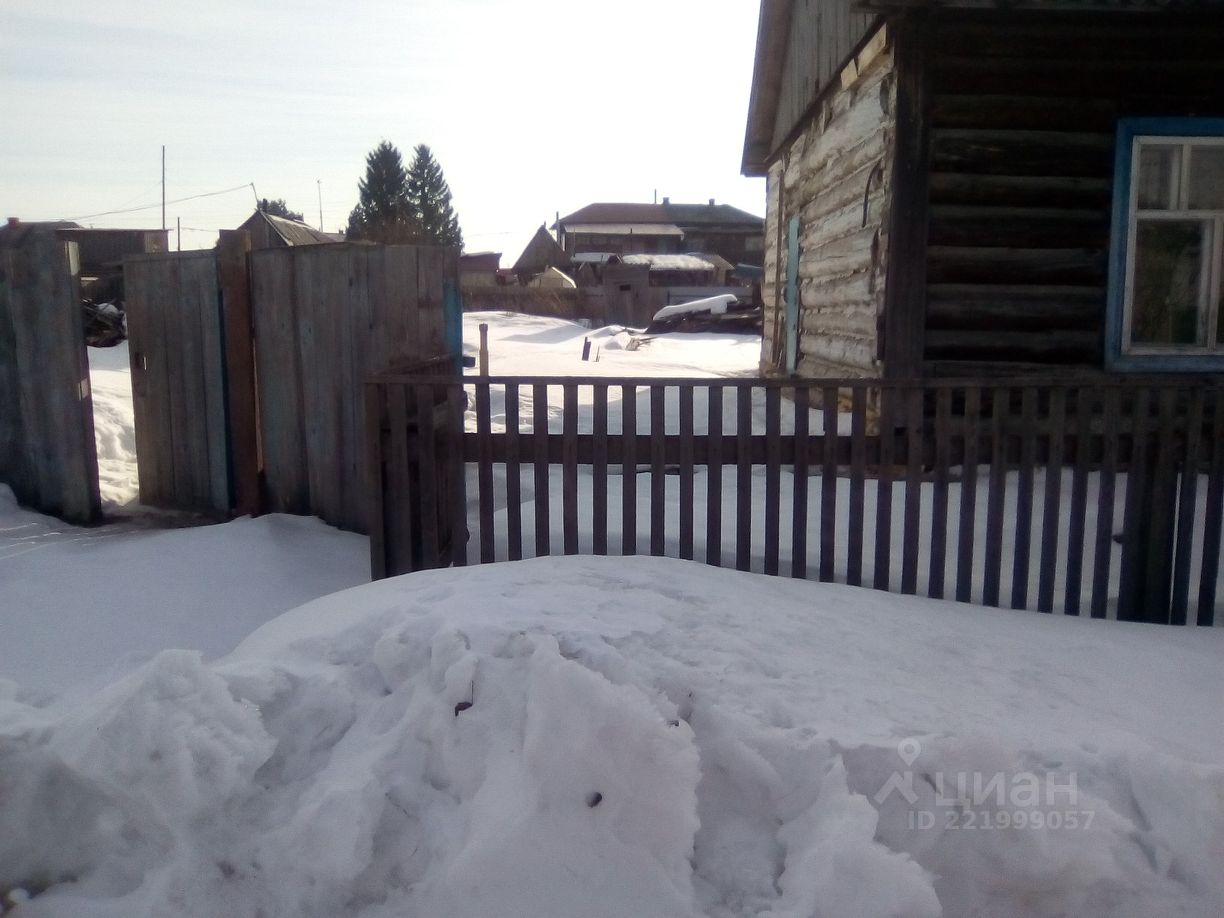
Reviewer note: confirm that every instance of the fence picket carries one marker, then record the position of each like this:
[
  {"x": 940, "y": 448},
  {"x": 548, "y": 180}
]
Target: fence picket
[
  {"x": 800, "y": 492},
  {"x": 914, "y": 431},
  {"x": 686, "y": 472},
  {"x": 658, "y": 480},
  {"x": 629, "y": 470},
  {"x": 514, "y": 480},
  {"x": 714, "y": 460},
  {"x": 828, "y": 483},
  {"x": 539, "y": 434},
  {"x": 484, "y": 419},
  {"x": 1187, "y": 492},
  {"x": 883, "y": 535},
  {"x": 1105, "y": 504},
  {"x": 966, "y": 536},
  {"x": 569, "y": 468},
  {"x": 939, "y": 493},
  {"x": 743, "y": 478},
  {"x": 599, "y": 470},
  {"x": 1000, "y": 404},
  {"x": 773, "y": 477},
  {"x": 858, "y": 470},
  {"x": 1024, "y": 498}
]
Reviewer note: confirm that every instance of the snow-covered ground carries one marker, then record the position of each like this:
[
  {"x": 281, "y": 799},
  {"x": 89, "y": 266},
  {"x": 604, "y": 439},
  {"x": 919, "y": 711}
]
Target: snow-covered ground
[
  {"x": 110, "y": 377},
  {"x": 577, "y": 736}
]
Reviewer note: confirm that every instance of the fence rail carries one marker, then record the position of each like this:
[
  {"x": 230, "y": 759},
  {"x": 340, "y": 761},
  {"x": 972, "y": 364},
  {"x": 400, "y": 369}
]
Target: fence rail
[{"x": 1103, "y": 498}]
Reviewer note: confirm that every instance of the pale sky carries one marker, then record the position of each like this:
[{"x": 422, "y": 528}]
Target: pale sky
[{"x": 531, "y": 106}]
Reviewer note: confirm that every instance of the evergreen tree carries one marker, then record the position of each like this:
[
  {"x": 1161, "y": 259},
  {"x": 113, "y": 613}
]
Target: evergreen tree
[
  {"x": 430, "y": 199},
  {"x": 383, "y": 212},
  {"x": 279, "y": 208}
]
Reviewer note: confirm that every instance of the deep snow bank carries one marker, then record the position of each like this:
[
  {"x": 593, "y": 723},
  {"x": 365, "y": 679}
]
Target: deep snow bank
[{"x": 631, "y": 737}]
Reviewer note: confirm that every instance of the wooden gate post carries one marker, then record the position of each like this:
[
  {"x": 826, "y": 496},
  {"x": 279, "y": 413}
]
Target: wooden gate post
[{"x": 242, "y": 407}]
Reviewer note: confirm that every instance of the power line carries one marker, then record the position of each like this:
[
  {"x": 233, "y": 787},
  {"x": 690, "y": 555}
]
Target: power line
[{"x": 132, "y": 210}]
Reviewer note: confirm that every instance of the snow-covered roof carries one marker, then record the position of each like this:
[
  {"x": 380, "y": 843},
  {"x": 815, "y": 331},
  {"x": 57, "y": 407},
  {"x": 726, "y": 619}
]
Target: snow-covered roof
[
  {"x": 626, "y": 229},
  {"x": 669, "y": 262}
]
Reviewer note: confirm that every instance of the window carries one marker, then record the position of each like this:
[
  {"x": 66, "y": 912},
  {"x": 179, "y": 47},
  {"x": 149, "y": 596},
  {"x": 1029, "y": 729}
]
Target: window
[{"x": 1166, "y": 297}]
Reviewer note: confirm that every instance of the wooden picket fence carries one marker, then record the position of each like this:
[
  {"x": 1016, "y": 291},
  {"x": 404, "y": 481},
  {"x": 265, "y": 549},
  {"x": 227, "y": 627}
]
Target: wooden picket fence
[{"x": 1103, "y": 497}]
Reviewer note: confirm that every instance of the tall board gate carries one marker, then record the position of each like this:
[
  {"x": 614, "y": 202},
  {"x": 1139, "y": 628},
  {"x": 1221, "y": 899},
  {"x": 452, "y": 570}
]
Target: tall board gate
[{"x": 248, "y": 368}]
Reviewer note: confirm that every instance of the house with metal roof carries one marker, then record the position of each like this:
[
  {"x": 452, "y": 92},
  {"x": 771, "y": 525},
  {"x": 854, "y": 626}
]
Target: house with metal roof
[
  {"x": 663, "y": 229},
  {"x": 271, "y": 232}
]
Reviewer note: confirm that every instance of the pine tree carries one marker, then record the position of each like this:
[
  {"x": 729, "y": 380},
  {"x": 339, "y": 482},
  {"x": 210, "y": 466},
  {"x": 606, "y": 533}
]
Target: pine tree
[
  {"x": 383, "y": 212},
  {"x": 430, "y": 199},
  {"x": 278, "y": 208}
]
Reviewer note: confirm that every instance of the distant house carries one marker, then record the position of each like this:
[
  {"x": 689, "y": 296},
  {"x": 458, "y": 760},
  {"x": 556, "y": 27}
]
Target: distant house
[
  {"x": 480, "y": 269},
  {"x": 977, "y": 187},
  {"x": 100, "y": 252},
  {"x": 270, "y": 232},
  {"x": 663, "y": 229},
  {"x": 541, "y": 253}
]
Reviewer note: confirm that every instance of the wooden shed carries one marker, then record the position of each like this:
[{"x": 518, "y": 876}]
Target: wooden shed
[{"x": 990, "y": 187}]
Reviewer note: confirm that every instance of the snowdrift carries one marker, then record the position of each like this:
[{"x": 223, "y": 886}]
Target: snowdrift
[{"x": 631, "y": 737}]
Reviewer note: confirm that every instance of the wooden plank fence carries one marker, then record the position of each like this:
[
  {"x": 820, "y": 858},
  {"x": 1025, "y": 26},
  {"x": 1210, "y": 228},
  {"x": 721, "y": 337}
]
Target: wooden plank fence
[
  {"x": 176, "y": 348},
  {"x": 1102, "y": 498},
  {"x": 47, "y": 449}
]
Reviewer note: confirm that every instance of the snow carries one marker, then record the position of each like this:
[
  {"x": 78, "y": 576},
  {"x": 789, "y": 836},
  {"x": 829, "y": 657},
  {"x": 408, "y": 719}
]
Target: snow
[
  {"x": 574, "y": 736},
  {"x": 114, "y": 430},
  {"x": 620, "y": 737}
]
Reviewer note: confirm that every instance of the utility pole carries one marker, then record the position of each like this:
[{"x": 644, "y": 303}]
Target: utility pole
[
  {"x": 178, "y": 224},
  {"x": 320, "y": 183},
  {"x": 163, "y": 187}
]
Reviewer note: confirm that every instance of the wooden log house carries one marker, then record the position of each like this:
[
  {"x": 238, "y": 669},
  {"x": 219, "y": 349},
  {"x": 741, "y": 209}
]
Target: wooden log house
[{"x": 986, "y": 188}]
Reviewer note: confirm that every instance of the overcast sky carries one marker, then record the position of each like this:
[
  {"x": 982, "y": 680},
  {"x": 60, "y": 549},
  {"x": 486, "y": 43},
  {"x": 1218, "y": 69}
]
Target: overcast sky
[{"x": 531, "y": 106}]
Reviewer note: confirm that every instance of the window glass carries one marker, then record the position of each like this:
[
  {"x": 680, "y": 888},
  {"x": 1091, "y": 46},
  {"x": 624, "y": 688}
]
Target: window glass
[
  {"x": 1168, "y": 280},
  {"x": 1207, "y": 178},
  {"x": 1159, "y": 167}
]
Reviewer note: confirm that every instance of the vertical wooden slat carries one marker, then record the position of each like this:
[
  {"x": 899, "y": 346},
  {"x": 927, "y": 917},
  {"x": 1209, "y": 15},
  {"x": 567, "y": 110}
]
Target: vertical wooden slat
[
  {"x": 686, "y": 472},
  {"x": 882, "y": 574},
  {"x": 629, "y": 470},
  {"x": 743, "y": 477},
  {"x": 233, "y": 253},
  {"x": 995, "y": 496},
  {"x": 1187, "y": 494},
  {"x": 376, "y": 462},
  {"x": 514, "y": 475},
  {"x": 1213, "y": 520},
  {"x": 714, "y": 461},
  {"x": 456, "y": 472},
  {"x": 1134, "y": 521},
  {"x": 913, "y": 491},
  {"x": 939, "y": 492},
  {"x": 539, "y": 435},
  {"x": 967, "y": 535},
  {"x": 799, "y": 519},
  {"x": 569, "y": 469},
  {"x": 403, "y": 499},
  {"x": 1051, "y": 507},
  {"x": 484, "y": 471},
  {"x": 431, "y": 504},
  {"x": 1024, "y": 498},
  {"x": 773, "y": 476},
  {"x": 1110, "y": 408},
  {"x": 658, "y": 481},
  {"x": 830, "y": 396},
  {"x": 858, "y": 474},
  {"x": 1077, "y": 523},
  {"x": 1158, "y": 517},
  {"x": 599, "y": 470}
]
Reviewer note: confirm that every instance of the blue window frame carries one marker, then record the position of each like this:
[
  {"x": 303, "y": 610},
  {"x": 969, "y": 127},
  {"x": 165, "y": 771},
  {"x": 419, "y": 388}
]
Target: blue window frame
[{"x": 1166, "y": 273}]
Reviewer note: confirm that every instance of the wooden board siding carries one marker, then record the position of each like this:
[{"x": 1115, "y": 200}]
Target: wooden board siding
[
  {"x": 325, "y": 319},
  {"x": 823, "y": 34},
  {"x": 175, "y": 343},
  {"x": 1023, "y": 112},
  {"x": 837, "y": 177},
  {"x": 47, "y": 450}
]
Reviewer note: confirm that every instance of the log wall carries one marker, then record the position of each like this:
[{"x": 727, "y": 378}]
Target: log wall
[
  {"x": 836, "y": 175},
  {"x": 1023, "y": 110}
]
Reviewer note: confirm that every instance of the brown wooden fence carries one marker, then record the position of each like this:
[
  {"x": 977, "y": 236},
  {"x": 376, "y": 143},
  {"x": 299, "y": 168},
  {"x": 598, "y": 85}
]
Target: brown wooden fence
[{"x": 1103, "y": 498}]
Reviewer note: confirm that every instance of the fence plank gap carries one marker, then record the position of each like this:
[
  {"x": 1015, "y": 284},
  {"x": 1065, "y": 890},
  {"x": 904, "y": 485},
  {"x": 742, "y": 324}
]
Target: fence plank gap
[
  {"x": 743, "y": 478},
  {"x": 1103, "y": 548},
  {"x": 539, "y": 432},
  {"x": 830, "y": 396},
  {"x": 773, "y": 477},
  {"x": 967, "y": 535},
  {"x": 686, "y": 472},
  {"x": 629, "y": 469},
  {"x": 1022, "y": 547},
  {"x": 939, "y": 493},
  {"x": 1000, "y": 406},
  {"x": 514, "y": 474},
  {"x": 658, "y": 469},
  {"x": 1051, "y": 506},
  {"x": 1187, "y": 494},
  {"x": 913, "y": 492},
  {"x": 599, "y": 470}
]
